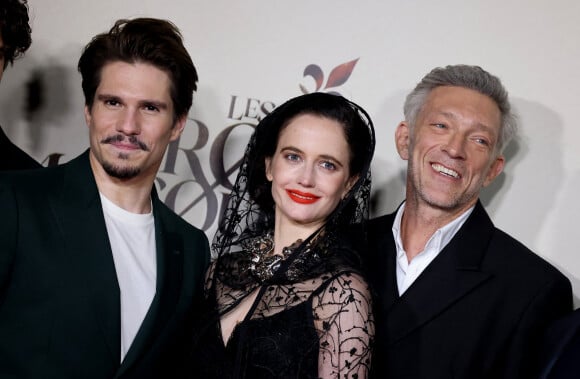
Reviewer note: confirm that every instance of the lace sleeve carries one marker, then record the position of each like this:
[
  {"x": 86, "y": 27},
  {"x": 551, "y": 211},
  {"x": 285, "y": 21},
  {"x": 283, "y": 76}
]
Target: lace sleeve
[{"x": 343, "y": 317}]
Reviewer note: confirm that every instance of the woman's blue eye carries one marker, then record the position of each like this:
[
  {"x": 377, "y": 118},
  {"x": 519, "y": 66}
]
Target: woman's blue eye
[
  {"x": 328, "y": 165},
  {"x": 292, "y": 157}
]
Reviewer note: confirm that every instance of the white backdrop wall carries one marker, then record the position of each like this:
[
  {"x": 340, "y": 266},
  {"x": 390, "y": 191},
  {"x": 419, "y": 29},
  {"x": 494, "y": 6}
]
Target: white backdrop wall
[{"x": 252, "y": 55}]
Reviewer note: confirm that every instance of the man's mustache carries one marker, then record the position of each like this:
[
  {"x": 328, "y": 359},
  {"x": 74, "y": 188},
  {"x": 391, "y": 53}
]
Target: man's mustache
[{"x": 131, "y": 139}]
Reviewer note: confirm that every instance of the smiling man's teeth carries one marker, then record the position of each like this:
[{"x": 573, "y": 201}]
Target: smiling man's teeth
[{"x": 445, "y": 170}]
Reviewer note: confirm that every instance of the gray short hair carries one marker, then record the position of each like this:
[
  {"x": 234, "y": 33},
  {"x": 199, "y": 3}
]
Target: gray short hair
[{"x": 471, "y": 77}]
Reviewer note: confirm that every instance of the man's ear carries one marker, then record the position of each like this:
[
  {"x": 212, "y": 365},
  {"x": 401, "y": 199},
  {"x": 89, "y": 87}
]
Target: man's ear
[
  {"x": 88, "y": 116},
  {"x": 178, "y": 128},
  {"x": 268, "y": 163},
  {"x": 495, "y": 169},
  {"x": 402, "y": 139}
]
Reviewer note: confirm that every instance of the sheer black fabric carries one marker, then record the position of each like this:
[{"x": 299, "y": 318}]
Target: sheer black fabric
[{"x": 311, "y": 314}]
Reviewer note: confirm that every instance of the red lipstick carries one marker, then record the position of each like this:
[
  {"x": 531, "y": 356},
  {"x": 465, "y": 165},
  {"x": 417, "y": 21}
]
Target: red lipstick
[{"x": 302, "y": 197}]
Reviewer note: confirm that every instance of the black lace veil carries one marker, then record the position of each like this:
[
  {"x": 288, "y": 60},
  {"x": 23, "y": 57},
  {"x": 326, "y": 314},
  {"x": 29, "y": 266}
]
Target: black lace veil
[{"x": 249, "y": 213}]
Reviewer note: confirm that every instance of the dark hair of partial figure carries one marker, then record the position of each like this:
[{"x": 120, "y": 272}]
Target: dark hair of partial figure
[
  {"x": 470, "y": 77},
  {"x": 356, "y": 125},
  {"x": 142, "y": 40},
  {"x": 14, "y": 29}
]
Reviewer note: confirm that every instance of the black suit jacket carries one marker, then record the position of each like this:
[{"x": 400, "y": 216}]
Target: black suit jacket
[
  {"x": 561, "y": 349},
  {"x": 59, "y": 296},
  {"x": 12, "y": 157},
  {"x": 477, "y": 311}
]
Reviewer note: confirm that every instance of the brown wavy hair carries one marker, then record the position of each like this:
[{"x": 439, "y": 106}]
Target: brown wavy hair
[{"x": 146, "y": 40}]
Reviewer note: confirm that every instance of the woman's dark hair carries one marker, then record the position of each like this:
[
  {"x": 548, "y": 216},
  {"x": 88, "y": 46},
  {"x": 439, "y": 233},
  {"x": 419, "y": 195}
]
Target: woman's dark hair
[
  {"x": 351, "y": 117},
  {"x": 146, "y": 40},
  {"x": 14, "y": 29}
]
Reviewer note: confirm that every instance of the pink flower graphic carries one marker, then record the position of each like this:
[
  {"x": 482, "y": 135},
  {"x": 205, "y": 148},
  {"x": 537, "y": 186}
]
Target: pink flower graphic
[{"x": 338, "y": 76}]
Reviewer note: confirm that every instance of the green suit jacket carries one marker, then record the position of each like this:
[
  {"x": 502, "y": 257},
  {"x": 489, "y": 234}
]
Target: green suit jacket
[{"x": 59, "y": 295}]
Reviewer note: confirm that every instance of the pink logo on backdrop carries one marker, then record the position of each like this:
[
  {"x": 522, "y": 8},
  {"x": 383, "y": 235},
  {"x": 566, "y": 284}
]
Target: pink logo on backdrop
[{"x": 337, "y": 77}]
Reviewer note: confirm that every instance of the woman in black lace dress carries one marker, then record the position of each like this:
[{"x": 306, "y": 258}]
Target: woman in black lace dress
[{"x": 284, "y": 296}]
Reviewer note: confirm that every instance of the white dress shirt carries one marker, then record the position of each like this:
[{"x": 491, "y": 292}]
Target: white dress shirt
[{"x": 408, "y": 272}]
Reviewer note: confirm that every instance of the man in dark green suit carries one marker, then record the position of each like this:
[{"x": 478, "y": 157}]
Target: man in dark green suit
[{"x": 98, "y": 278}]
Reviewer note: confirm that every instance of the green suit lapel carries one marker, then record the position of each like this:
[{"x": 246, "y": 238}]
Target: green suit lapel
[
  {"x": 79, "y": 215},
  {"x": 168, "y": 288}
]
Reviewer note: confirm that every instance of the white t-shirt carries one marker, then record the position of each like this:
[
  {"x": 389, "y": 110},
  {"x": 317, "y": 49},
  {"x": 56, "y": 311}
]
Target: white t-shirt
[{"x": 132, "y": 238}]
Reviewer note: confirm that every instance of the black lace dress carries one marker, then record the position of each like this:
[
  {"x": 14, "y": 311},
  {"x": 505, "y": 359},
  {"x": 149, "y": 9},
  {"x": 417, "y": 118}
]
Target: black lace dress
[
  {"x": 320, "y": 327},
  {"x": 309, "y": 309}
]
